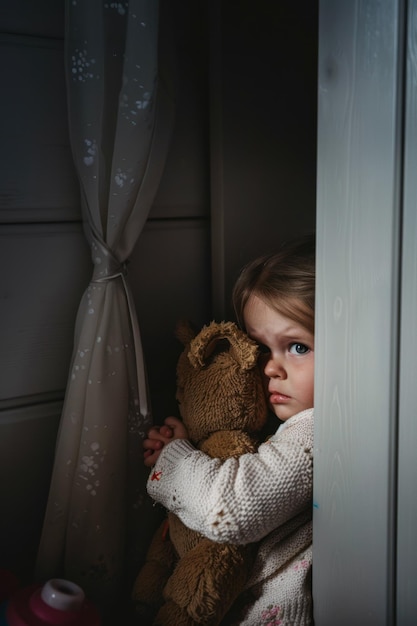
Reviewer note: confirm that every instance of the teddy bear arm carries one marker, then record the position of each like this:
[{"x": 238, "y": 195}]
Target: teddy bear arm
[
  {"x": 207, "y": 580},
  {"x": 226, "y": 443},
  {"x": 170, "y": 614},
  {"x": 147, "y": 593}
]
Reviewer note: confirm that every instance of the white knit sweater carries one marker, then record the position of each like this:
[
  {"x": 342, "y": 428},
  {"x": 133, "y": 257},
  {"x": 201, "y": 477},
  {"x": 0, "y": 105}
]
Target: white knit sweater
[{"x": 266, "y": 497}]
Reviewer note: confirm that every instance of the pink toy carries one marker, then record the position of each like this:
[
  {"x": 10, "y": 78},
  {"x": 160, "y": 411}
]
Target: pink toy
[{"x": 58, "y": 602}]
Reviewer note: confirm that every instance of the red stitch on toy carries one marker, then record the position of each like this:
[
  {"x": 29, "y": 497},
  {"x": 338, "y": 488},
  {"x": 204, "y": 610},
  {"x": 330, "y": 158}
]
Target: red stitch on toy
[{"x": 156, "y": 476}]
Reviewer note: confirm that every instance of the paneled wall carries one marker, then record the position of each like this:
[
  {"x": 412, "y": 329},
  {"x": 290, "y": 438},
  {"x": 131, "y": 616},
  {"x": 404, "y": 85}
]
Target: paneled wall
[
  {"x": 239, "y": 178},
  {"x": 45, "y": 260},
  {"x": 44, "y": 264}
]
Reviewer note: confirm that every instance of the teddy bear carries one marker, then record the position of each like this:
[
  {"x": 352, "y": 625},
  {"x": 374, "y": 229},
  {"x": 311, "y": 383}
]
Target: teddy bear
[{"x": 188, "y": 579}]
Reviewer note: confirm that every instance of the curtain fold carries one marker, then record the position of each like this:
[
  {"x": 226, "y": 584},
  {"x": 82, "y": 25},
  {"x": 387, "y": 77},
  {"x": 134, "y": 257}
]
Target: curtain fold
[{"x": 120, "y": 119}]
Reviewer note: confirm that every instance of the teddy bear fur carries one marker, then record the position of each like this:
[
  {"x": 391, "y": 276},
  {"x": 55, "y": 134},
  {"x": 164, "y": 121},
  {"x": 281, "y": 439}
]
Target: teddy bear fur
[{"x": 186, "y": 578}]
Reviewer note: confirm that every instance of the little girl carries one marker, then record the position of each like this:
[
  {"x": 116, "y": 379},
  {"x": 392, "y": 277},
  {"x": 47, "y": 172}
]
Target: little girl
[{"x": 263, "y": 497}]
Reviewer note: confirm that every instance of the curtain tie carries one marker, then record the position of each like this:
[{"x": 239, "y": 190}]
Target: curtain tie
[
  {"x": 120, "y": 273},
  {"x": 140, "y": 366}
]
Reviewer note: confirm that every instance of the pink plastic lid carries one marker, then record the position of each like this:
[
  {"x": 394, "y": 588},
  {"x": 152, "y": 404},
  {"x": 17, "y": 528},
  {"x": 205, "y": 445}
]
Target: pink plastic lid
[{"x": 58, "y": 602}]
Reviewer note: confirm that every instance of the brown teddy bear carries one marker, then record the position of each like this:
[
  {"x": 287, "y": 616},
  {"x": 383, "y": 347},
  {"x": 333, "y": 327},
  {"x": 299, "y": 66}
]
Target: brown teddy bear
[{"x": 188, "y": 579}]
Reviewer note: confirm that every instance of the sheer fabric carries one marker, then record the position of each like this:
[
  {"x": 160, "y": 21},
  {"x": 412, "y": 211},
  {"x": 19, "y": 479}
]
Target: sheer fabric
[{"x": 120, "y": 119}]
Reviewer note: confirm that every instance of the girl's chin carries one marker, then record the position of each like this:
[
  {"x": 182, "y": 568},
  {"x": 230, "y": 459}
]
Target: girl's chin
[{"x": 284, "y": 413}]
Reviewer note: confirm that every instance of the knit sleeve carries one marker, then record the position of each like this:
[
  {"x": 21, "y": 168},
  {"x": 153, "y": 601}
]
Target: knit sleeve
[{"x": 238, "y": 500}]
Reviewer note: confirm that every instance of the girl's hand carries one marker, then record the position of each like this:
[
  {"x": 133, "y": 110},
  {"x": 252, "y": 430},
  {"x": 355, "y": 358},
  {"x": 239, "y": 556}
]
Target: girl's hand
[
  {"x": 177, "y": 427},
  {"x": 158, "y": 436}
]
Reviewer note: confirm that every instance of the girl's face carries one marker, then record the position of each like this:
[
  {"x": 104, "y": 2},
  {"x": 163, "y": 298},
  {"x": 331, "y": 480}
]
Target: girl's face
[{"x": 287, "y": 357}]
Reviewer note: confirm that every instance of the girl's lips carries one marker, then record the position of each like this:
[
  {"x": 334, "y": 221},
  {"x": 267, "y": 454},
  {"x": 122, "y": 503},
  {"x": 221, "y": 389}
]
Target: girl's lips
[{"x": 278, "y": 398}]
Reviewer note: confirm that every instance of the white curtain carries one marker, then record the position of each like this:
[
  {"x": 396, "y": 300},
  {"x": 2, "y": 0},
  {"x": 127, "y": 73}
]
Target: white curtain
[{"x": 120, "y": 116}]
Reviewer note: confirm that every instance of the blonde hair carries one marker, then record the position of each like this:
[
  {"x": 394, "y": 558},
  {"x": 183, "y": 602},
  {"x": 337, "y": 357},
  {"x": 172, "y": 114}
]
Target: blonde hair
[{"x": 284, "y": 280}]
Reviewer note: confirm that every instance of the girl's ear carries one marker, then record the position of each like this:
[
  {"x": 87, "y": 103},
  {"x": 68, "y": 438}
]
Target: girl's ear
[{"x": 225, "y": 337}]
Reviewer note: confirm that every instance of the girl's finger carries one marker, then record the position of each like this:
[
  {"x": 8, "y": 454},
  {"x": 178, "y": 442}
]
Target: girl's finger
[
  {"x": 153, "y": 444},
  {"x": 153, "y": 433},
  {"x": 166, "y": 431}
]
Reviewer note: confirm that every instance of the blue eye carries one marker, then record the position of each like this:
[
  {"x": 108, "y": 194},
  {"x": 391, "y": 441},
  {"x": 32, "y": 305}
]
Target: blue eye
[{"x": 298, "y": 348}]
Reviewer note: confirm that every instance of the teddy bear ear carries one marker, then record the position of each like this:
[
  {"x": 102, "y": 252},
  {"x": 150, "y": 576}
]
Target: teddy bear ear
[
  {"x": 185, "y": 331},
  {"x": 223, "y": 337}
]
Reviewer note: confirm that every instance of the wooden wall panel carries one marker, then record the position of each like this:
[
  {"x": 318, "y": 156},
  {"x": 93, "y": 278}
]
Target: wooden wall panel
[
  {"x": 45, "y": 271},
  {"x": 407, "y": 437},
  {"x": 358, "y": 217},
  {"x": 37, "y": 179},
  {"x": 184, "y": 189},
  {"x": 27, "y": 443},
  {"x": 44, "y": 18},
  {"x": 170, "y": 277}
]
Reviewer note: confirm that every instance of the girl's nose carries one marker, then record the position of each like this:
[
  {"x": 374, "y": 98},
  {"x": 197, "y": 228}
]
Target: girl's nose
[{"x": 275, "y": 369}]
